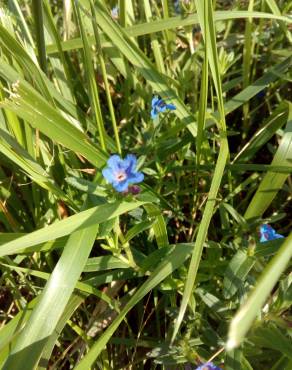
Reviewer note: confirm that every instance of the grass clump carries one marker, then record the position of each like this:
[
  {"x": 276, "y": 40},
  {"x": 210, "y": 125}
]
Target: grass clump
[{"x": 145, "y": 184}]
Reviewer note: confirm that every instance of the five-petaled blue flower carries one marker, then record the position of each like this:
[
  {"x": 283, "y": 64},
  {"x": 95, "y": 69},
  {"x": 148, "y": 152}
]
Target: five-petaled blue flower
[
  {"x": 208, "y": 366},
  {"x": 159, "y": 106},
  {"x": 122, "y": 172},
  {"x": 268, "y": 233}
]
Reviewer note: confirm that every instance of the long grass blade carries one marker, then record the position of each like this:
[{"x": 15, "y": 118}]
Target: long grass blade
[{"x": 242, "y": 321}]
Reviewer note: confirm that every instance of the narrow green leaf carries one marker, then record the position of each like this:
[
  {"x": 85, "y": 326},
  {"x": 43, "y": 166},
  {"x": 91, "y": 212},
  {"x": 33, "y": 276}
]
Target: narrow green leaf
[
  {"x": 176, "y": 256},
  {"x": 90, "y": 74},
  {"x": 55, "y": 296},
  {"x": 271, "y": 337},
  {"x": 205, "y": 13},
  {"x": 104, "y": 263},
  {"x": 236, "y": 272},
  {"x": 81, "y": 220},
  {"x": 20, "y": 54},
  {"x": 159, "y": 226},
  {"x": 171, "y": 23},
  {"x": 277, "y": 119},
  {"x": 28, "y": 104},
  {"x": 37, "y": 8},
  {"x": 247, "y": 313},
  {"x": 15, "y": 152},
  {"x": 272, "y": 181}
]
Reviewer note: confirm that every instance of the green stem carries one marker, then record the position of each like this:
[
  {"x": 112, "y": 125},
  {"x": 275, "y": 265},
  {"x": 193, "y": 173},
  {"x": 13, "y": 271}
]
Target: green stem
[
  {"x": 105, "y": 80},
  {"x": 37, "y": 8},
  {"x": 90, "y": 73}
]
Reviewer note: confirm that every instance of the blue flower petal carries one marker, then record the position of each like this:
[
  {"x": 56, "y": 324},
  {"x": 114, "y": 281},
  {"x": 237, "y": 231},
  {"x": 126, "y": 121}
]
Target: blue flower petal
[
  {"x": 154, "y": 113},
  {"x": 279, "y": 236},
  {"x": 114, "y": 162},
  {"x": 171, "y": 106},
  {"x": 268, "y": 233},
  {"x": 131, "y": 162},
  {"x": 121, "y": 186},
  {"x": 160, "y": 103},
  {"x": 159, "y": 106},
  {"x": 208, "y": 366},
  {"x": 154, "y": 101},
  {"x": 162, "y": 109},
  {"x": 108, "y": 174},
  {"x": 135, "y": 178}
]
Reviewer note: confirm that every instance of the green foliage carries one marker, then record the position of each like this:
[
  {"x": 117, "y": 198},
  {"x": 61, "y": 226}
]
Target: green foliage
[{"x": 175, "y": 275}]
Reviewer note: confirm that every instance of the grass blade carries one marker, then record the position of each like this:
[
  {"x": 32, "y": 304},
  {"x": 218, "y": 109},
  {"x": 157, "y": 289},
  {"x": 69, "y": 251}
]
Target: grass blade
[
  {"x": 171, "y": 23},
  {"x": 37, "y": 7},
  {"x": 54, "y": 298},
  {"x": 272, "y": 181},
  {"x": 143, "y": 66},
  {"x": 242, "y": 321},
  {"x": 81, "y": 220},
  {"x": 176, "y": 256},
  {"x": 205, "y": 13}
]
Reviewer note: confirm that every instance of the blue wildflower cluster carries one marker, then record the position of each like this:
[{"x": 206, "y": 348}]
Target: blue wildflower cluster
[
  {"x": 268, "y": 233},
  {"x": 122, "y": 173}
]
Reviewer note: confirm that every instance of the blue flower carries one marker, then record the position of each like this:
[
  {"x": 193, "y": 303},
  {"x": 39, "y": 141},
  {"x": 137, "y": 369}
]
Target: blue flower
[
  {"x": 268, "y": 233},
  {"x": 208, "y": 366},
  {"x": 115, "y": 12},
  {"x": 159, "y": 105},
  {"x": 122, "y": 172}
]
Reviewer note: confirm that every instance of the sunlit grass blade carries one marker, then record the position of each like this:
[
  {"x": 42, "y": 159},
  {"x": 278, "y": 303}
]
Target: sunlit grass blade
[
  {"x": 50, "y": 121},
  {"x": 54, "y": 298},
  {"x": 75, "y": 301},
  {"x": 24, "y": 59},
  {"x": 15, "y": 152},
  {"x": 242, "y": 321},
  {"x": 159, "y": 226},
  {"x": 105, "y": 78},
  {"x": 10, "y": 331},
  {"x": 171, "y": 23},
  {"x": 90, "y": 76},
  {"x": 82, "y": 287},
  {"x": 26, "y": 33},
  {"x": 248, "y": 51},
  {"x": 236, "y": 272},
  {"x": 60, "y": 64},
  {"x": 276, "y": 11},
  {"x": 81, "y": 220},
  {"x": 273, "y": 182},
  {"x": 277, "y": 119},
  {"x": 37, "y": 8},
  {"x": 270, "y": 76},
  {"x": 176, "y": 256},
  {"x": 205, "y": 13},
  {"x": 154, "y": 42}
]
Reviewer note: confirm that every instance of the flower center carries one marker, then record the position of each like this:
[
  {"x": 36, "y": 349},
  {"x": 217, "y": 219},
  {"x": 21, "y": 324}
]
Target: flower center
[{"x": 121, "y": 176}]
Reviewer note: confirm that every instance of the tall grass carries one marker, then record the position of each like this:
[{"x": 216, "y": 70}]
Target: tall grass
[{"x": 173, "y": 274}]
